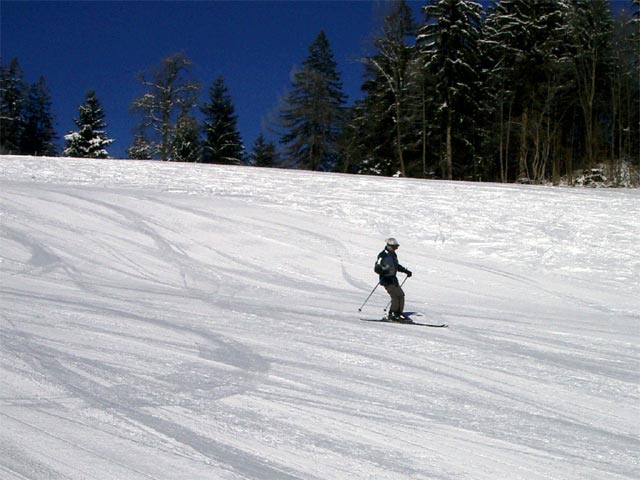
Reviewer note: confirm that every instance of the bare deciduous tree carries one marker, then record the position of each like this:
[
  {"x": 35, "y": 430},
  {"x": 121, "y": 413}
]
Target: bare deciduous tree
[{"x": 170, "y": 96}]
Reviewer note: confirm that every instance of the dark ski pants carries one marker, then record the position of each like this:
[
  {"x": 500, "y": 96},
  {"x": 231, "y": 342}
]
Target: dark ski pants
[{"x": 397, "y": 298}]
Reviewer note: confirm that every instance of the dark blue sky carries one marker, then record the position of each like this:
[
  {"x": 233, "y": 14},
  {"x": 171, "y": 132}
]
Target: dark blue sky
[{"x": 254, "y": 45}]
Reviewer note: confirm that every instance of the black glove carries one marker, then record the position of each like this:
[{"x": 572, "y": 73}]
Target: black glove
[{"x": 408, "y": 272}]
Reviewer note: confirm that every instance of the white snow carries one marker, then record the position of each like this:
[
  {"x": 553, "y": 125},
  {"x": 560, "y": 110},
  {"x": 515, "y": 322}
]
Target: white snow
[{"x": 175, "y": 321}]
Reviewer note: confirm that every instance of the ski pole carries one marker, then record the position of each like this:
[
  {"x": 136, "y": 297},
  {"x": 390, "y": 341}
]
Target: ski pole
[
  {"x": 365, "y": 302},
  {"x": 405, "y": 279}
]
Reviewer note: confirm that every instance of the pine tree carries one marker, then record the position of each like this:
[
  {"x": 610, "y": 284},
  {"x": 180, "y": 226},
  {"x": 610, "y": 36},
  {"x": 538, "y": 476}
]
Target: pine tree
[
  {"x": 366, "y": 144},
  {"x": 312, "y": 115},
  {"x": 264, "y": 153},
  {"x": 383, "y": 123},
  {"x": 222, "y": 143},
  {"x": 90, "y": 141},
  {"x": 12, "y": 101},
  {"x": 39, "y": 135},
  {"x": 449, "y": 46},
  {"x": 370, "y": 130},
  {"x": 170, "y": 95}
]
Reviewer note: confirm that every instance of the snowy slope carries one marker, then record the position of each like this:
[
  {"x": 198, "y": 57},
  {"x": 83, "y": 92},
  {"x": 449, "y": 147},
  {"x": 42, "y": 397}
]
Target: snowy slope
[{"x": 171, "y": 321}]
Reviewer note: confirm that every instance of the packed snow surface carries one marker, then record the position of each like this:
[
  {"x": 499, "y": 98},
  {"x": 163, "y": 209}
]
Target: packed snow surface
[{"x": 174, "y": 321}]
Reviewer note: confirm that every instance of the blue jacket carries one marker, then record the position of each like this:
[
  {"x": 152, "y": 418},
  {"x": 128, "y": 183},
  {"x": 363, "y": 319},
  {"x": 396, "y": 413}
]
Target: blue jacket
[{"x": 387, "y": 267}]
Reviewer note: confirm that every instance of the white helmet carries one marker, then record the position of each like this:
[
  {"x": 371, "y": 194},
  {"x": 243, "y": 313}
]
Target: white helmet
[{"x": 392, "y": 242}]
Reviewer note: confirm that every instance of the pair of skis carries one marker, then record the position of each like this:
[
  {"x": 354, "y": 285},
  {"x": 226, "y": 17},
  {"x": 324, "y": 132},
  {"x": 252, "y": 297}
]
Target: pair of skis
[{"x": 409, "y": 321}]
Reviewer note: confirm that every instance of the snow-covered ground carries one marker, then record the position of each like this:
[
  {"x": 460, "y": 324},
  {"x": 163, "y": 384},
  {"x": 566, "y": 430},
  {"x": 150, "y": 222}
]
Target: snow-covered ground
[{"x": 173, "y": 321}]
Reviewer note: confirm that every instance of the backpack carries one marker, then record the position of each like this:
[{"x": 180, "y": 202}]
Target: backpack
[{"x": 378, "y": 268}]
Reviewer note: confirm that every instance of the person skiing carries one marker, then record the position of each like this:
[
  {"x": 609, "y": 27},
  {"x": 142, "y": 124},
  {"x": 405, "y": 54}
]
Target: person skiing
[{"x": 387, "y": 267}]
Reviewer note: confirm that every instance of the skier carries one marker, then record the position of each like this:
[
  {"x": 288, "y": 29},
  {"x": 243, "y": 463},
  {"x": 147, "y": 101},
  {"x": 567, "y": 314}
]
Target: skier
[{"x": 387, "y": 267}]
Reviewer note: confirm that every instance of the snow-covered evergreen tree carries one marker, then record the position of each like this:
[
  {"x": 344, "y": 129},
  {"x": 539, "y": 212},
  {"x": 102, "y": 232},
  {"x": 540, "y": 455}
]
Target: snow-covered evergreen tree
[
  {"x": 386, "y": 111},
  {"x": 141, "y": 149},
  {"x": 222, "y": 143},
  {"x": 90, "y": 140},
  {"x": 312, "y": 114},
  {"x": 448, "y": 44}
]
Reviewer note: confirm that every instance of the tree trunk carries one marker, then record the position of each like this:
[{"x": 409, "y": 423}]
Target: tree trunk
[
  {"x": 505, "y": 174},
  {"x": 449, "y": 154},
  {"x": 399, "y": 139},
  {"x": 501, "y": 148},
  {"x": 522, "y": 158},
  {"x": 424, "y": 133}
]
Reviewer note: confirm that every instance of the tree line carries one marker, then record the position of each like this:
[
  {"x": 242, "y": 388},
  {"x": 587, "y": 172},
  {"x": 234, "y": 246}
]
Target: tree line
[
  {"x": 518, "y": 91},
  {"x": 521, "y": 91},
  {"x": 26, "y": 119}
]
